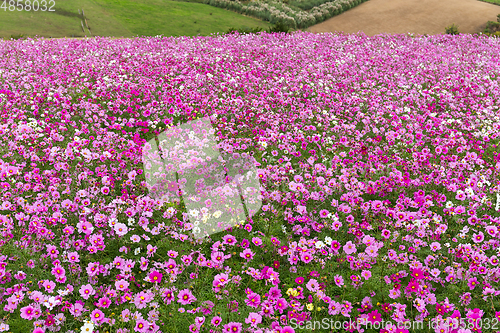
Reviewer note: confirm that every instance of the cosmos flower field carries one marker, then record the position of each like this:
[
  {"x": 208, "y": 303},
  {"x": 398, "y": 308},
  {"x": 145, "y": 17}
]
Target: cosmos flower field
[{"x": 377, "y": 158}]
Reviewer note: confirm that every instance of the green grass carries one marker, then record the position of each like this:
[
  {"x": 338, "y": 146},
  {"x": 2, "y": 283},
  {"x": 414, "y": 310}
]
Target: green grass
[
  {"x": 495, "y": 2},
  {"x": 124, "y": 18}
]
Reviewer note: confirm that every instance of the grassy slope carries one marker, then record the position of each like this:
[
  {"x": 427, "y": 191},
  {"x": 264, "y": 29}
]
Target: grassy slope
[
  {"x": 124, "y": 18},
  {"x": 496, "y": 2}
]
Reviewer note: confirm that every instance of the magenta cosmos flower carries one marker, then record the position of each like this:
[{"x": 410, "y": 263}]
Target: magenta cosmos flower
[
  {"x": 233, "y": 327},
  {"x": 216, "y": 321},
  {"x": 155, "y": 276},
  {"x": 253, "y": 300}
]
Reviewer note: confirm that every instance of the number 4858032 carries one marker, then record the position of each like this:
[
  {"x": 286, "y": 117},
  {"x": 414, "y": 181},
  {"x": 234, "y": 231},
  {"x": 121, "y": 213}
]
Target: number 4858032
[{"x": 28, "y": 5}]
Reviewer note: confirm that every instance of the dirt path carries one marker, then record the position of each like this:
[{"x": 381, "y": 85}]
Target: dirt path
[{"x": 416, "y": 16}]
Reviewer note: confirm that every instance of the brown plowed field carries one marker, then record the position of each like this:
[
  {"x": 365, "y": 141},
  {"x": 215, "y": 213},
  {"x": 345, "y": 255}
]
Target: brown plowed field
[{"x": 416, "y": 16}]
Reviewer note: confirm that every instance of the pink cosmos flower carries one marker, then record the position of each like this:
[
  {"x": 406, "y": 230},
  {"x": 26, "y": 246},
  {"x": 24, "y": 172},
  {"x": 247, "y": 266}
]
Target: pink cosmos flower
[
  {"x": 76, "y": 309},
  {"x": 334, "y": 308},
  {"x": 172, "y": 254},
  {"x": 104, "y": 302},
  {"x": 472, "y": 283},
  {"x": 229, "y": 240},
  {"x": 478, "y": 238},
  {"x": 216, "y": 320},
  {"x": 193, "y": 328},
  {"x": 366, "y": 274},
  {"x": 349, "y": 248},
  {"x": 168, "y": 296},
  {"x": 374, "y": 317},
  {"x": 86, "y": 291},
  {"x": 27, "y": 312},
  {"x": 418, "y": 274},
  {"x": 49, "y": 286},
  {"x": 73, "y": 257},
  {"x": 85, "y": 227},
  {"x": 50, "y": 320},
  {"x": 221, "y": 279},
  {"x": 233, "y": 327},
  {"x": 281, "y": 305},
  {"x": 247, "y": 254},
  {"x": 306, "y": 257},
  {"x": 97, "y": 316},
  {"x": 257, "y": 241},
  {"x": 121, "y": 285},
  {"x": 185, "y": 297},
  {"x": 339, "y": 280},
  {"x": 58, "y": 271},
  {"x": 253, "y": 319},
  {"x": 253, "y": 300},
  {"x": 155, "y": 277},
  {"x": 386, "y": 234},
  {"x": 141, "y": 326},
  {"x": 120, "y": 229},
  {"x": 335, "y": 246},
  {"x": 312, "y": 285},
  {"x": 435, "y": 246},
  {"x": 93, "y": 268}
]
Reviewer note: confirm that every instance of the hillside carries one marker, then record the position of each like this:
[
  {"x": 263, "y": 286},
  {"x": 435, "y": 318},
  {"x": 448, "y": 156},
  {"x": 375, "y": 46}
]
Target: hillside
[{"x": 124, "y": 18}]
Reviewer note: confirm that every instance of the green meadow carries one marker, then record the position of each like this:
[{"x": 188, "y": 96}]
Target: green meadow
[{"x": 123, "y": 18}]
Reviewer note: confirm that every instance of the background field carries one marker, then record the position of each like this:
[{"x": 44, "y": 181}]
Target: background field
[
  {"x": 128, "y": 18},
  {"x": 124, "y": 18},
  {"x": 496, "y": 2},
  {"x": 416, "y": 16}
]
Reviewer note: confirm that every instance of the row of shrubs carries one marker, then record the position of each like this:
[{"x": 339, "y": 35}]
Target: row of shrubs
[
  {"x": 273, "y": 11},
  {"x": 278, "y": 27},
  {"x": 306, "y": 4},
  {"x": 492, "y": 28}
]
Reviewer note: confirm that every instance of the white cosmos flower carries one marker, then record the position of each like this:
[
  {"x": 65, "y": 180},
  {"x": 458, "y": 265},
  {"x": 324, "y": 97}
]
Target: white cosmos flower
[
  {"x": 319, "y": 244},
  {"x": 63, "y": 292},
  {"x": 51, "y": 302},
  {"x": 88, "y": 327}
]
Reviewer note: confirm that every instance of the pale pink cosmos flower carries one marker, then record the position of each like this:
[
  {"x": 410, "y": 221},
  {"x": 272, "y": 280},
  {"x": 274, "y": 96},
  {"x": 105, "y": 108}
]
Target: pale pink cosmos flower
[
  {"x": 86, "y": 291},
  {"x": 435, "y": 246},
  {"x": 349, "y": 248},
  {"x": 312, "y": 285}
]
